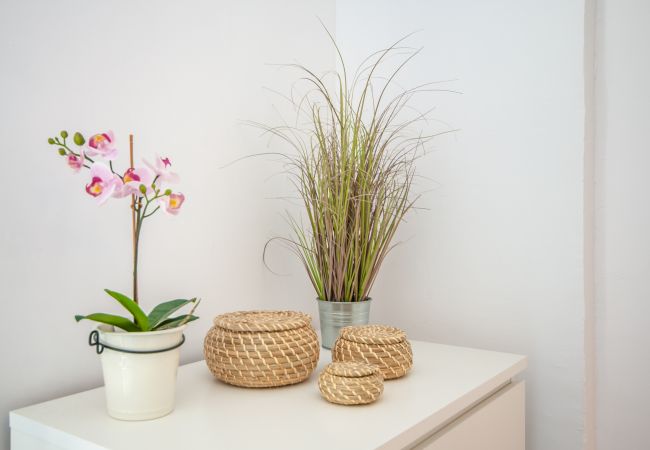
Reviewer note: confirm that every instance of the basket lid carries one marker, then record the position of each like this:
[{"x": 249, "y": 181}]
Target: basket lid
[
  {"x": 262, "y": 320},
  {"x": 351, "y": 369},
  {"x": 373, "y": 334}
]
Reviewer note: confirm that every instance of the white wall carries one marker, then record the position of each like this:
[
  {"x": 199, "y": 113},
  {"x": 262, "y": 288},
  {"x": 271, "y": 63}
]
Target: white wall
[
  {"x": 497, "y": 260},
  {"x": 181, "y": 76},
  {"x": 622, "y": 224}
]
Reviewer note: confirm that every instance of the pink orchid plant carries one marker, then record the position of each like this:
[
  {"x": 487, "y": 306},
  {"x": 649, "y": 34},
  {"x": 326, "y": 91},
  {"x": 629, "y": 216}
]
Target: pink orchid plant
[{"x": 146, "y": 185}]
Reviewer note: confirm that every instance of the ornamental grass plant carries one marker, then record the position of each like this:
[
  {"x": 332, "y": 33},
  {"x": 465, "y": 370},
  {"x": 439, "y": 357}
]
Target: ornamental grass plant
[{"x": 355, "y": 144}]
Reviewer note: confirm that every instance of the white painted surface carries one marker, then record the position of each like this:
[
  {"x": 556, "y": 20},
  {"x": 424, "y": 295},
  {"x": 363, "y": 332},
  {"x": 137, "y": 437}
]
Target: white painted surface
[
  {"x": 29, "y": 442},
  {"x": 622, "y": 224},
  {"x": 444, "y": 382},
  {"x": 497, "y": 423},
  {"x": 181, "y": 75},
  {"x": 589, "y": 440},
  {"x": 497, "y": 259}
]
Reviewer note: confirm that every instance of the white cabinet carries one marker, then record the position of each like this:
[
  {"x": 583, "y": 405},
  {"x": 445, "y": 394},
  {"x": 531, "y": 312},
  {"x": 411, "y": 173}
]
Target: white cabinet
[
  {"x": 494, "y": 423},
  {"x": 455, "y": 398}
]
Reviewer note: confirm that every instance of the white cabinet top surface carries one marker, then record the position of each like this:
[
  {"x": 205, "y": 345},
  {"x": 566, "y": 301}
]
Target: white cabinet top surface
[{"x": 444, "y": 381}]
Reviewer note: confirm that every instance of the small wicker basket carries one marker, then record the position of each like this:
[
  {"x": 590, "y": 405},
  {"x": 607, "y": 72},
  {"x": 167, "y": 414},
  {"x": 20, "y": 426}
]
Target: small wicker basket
[
  {"x": 382, "y": 346},
  {"x": 262, "y": 348},
  {"x": 350, "y": 383}
]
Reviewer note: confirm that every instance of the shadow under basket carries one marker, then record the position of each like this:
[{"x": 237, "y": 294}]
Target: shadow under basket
[{"x": 262, "y": 348}]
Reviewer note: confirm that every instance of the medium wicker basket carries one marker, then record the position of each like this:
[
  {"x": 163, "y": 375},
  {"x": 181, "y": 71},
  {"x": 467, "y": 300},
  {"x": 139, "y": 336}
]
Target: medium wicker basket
[
  {"x": 382, "y": 346},
  {"x": 350, "y": 383},
  {"x": 261, "y": 348}
]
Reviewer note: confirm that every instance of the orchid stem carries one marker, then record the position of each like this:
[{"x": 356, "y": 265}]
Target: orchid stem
[
  {"x": 152, "y": 212},
  {"x": 63, "y": 144},
  {"x": 136, "y": 242},
  {"x": 110, "y": 164},
  {"x": 140, "y": 213},
  {"x": 135, "y": 225}
]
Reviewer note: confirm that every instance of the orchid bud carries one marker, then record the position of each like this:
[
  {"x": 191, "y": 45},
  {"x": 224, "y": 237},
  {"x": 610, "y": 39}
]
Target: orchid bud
[
  {"x": 168, "y": 192},
  {"x": 79, "y": 139},
  {"x": 64, "y": 134},
  {"x": 62, "y": 151},
  {"x": 50, "y": 141},
  {"x": 143, "y": 188}
]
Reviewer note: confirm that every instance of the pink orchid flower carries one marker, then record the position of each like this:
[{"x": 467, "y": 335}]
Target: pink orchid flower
[
  {"x": 172, "y": 203},
  {"x": 76, "y": 162},
  {"x": 102, "y": 182},
  {"x": 102, "y": 144},
  {"x": 162, "y": 169},
  {"x": 135, "y": 177}
]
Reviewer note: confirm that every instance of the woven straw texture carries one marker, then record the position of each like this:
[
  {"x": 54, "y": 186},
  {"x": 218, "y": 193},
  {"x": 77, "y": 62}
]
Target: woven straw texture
[
  {"x": 382, "y": 346},
  {"x": 261, "y": 348},
  {"x": 350, "y": 383}
]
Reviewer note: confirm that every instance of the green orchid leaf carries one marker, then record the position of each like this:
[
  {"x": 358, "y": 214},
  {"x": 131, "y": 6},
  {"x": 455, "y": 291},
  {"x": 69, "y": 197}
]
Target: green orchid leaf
[
  {"x": 141, "y": 319},
  {"x": 164, "y": 310},
  {"x": 175, "y": 322},
  {"x": 110, "y": 319}
]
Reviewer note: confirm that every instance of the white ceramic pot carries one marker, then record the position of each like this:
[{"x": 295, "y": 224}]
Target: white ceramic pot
[{"x": 140, "y": 386}]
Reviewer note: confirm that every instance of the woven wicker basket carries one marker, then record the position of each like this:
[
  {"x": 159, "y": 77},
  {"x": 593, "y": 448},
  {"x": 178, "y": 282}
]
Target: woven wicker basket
[
  {"x": 379, "y": 345},
  {"x": 350, "y": 383},
  {"x": 261, "y": 348}
]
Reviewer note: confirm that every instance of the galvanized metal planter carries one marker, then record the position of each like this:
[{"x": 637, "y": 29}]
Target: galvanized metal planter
[{"x": 336, "y": 315}]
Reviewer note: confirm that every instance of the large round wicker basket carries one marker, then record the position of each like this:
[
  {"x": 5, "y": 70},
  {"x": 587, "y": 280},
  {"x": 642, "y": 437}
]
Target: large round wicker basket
[
  {"x": 262, "y": 348},
  {"x": 379, "y": 345},
  {"x": 350, "y": 383}
]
